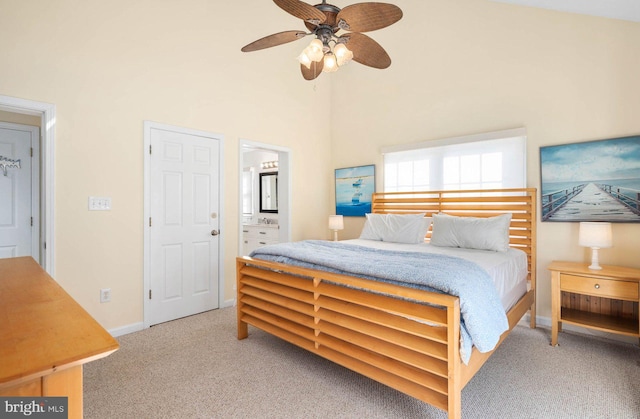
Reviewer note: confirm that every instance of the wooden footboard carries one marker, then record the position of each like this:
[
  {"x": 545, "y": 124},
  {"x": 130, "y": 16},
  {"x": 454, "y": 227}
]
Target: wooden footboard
[
  {"x": 405, "y": 338},
  {"x": 371, "y": 329},
  {"x": 401, "y": 343}
]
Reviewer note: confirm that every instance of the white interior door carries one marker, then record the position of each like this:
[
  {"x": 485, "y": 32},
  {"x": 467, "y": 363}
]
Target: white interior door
[
  {"x": 19, "y": 191},
  {"x": 184, "y": 251}
]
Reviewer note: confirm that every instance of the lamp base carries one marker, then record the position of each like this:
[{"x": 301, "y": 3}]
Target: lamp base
[
  {"x": 595, "y": 265},
  {"x": 335, "y": 235}
]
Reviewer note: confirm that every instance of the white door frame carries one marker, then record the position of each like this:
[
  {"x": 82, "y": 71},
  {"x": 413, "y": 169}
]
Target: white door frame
[
  {"x": 47, "y": 114},
  {"x": 284, "y": 188},
  {"x": 148, "y": 125}
]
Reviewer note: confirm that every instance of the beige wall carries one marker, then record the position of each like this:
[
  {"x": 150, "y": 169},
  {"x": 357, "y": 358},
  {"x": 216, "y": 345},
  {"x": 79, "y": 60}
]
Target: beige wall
[
  {"x": 108, "y": 66},
  {"x": 459, "y": 67},
  {"x": 470, "y": 66}
]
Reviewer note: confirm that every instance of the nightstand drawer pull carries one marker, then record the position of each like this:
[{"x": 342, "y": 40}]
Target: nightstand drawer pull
[{"x": 597, "y": 286}]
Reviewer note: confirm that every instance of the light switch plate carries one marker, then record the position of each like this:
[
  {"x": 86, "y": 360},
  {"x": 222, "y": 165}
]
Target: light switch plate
[{"x": 99, "y": 203}]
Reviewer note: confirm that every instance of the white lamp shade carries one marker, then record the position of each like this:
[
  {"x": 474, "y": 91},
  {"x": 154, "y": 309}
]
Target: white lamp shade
[
  {"x": 304, "y": 59},
  {"x": 330, "y": 63},
  {"x": 595, "y": 234},
  {"x": 336, "y": 222},
  {"x": 315, "y": 50},
  {"x": 343, "y": 54}
]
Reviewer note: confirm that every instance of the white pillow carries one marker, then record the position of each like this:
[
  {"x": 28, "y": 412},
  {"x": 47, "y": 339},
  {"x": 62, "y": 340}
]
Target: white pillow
[
  {"x": 471, "y": 232},
  {"x": 396, "y": 228}
]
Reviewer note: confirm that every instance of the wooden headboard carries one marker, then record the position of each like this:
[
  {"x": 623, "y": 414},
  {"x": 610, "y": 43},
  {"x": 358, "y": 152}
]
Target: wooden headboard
[{"x": 520, "y": 202}]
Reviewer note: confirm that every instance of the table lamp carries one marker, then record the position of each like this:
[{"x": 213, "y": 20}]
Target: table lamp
[
  {"x": 336, "y": 223},
  {"x": 596, "y": 235}
]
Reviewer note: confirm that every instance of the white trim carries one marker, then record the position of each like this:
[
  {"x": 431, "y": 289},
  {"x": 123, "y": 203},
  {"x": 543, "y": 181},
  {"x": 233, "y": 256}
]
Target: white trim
[
  {"x": 139, "y": 326},
  {"x": 148, "y": 125},
  {"x": 511, "y": 143},
  {"x": 36, "y": 243},
  {"x": 47, "y": 113},
  {"x": 228, "y": 303},
  {"x": 285, "y": 187},
  {"x": 125, "y": 330},
  {"x": 494, "y": 135}
]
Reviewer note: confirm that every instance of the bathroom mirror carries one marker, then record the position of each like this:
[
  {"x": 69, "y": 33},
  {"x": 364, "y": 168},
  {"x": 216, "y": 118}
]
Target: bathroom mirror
[{"x": 269, "y": 192}]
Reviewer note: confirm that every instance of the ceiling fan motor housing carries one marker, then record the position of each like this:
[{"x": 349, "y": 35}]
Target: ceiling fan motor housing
[{"x": 330, "y": 11}]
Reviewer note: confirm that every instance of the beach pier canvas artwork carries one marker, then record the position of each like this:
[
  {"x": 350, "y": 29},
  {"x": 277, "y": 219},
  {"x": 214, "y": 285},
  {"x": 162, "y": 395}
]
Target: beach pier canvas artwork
[
  {"x": 591, "y": 181},
  {"x": 354, "y": 188}
]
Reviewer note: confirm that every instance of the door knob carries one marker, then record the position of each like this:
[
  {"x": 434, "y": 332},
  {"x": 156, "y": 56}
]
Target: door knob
[{"x": 214, "y": 232}]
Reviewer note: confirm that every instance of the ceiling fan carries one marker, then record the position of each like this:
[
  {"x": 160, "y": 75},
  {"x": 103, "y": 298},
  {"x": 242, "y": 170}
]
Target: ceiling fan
[{"x": 338, "y": 35}]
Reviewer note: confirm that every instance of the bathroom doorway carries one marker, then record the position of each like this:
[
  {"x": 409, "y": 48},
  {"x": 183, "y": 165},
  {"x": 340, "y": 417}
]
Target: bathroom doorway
[{"x": 264, "y": 168}]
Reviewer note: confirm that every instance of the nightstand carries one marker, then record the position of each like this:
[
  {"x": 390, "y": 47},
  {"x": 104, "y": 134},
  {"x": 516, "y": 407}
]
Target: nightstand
[{"x": 605, "y": 299}]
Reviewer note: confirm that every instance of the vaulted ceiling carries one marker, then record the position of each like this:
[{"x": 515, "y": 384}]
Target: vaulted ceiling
[{"x": 615, "y": 9}]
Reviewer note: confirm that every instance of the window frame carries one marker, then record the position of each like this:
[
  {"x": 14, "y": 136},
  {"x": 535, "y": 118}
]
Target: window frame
[{"x": 475, "y": 144}]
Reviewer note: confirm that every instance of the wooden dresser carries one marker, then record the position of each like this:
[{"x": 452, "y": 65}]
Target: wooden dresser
[
  {"x": 45, "y": 336},
  {"x": 605, "y": 300}
]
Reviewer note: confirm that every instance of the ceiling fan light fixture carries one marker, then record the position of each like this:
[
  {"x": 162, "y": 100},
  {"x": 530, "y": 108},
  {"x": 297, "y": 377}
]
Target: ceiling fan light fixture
[
  {"x": 330, "y": 63},
  {"x": 304, "y": 59},
  {"x": 314, "y": 50},
  {"x": 343, "y": 54}
]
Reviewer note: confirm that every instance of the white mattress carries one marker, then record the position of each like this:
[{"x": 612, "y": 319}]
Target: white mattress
[{"x": 507, "y": 269}]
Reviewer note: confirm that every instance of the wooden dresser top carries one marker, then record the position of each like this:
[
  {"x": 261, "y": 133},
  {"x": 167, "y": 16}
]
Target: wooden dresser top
[{"x": 43, "y": 329}]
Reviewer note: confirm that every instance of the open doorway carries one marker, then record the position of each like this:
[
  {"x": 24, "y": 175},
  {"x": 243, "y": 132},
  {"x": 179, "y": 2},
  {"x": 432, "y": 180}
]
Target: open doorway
[
  {"x": 16, "y": 110},
  {"x": 265, "y": 195},
  {"x": 20, "y": 187}
]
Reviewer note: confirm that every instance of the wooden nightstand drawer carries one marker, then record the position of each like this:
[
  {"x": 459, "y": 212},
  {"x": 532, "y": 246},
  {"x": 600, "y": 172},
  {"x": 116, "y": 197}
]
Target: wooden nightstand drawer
[{"x": 600, "y": 287}]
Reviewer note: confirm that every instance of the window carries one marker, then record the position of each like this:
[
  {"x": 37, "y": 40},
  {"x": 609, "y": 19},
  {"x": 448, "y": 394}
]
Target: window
[{"x": 483, "y": 161}]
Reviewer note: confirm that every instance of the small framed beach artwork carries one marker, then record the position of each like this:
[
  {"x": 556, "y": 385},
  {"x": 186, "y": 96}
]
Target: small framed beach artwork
[
  {"x": 591, "y": 181},
  {"x": 354, "y": 189}
]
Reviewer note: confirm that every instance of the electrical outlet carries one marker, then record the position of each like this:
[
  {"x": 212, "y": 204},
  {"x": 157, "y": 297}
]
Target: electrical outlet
[{"x": 105, "y": 295}]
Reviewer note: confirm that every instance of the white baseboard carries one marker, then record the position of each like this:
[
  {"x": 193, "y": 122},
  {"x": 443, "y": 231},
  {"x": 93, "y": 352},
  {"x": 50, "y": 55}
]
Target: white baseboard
[
  {"x": 228, "y": 303},
  {"x": 545, "y": 322},
  {"x": 125, "y": 330},
  {"x": 136, "y": 327}
]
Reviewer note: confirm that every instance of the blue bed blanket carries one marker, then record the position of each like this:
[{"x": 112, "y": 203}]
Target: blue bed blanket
[{"x": 483, "y": 318}]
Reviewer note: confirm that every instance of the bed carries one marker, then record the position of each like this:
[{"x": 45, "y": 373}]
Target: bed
[{"x": 403, "y": 336}]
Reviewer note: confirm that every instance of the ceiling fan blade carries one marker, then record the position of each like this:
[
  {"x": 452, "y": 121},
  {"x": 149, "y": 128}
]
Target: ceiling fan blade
[
  {"x": 366, "y": 51},
  {"x": 274, "y": 40},
  {"x": 301, "y": 10},
  {"x": 366, "y": 17},
  {"x": 313, "y": 72}
]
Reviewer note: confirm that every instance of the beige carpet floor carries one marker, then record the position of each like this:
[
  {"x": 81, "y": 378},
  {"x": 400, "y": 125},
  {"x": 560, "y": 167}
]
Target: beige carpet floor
[{"x": 196, "y": 368}]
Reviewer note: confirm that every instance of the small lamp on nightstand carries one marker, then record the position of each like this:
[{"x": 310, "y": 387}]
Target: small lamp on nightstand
[
  {"x": 336, "y": 223},
  {"x": 596, "y": 235}
]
